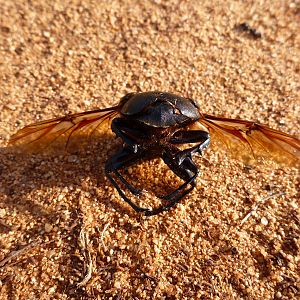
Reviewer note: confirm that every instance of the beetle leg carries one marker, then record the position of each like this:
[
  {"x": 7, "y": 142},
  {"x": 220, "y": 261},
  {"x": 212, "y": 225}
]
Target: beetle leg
[
  {"x": 169, "y": 205},
  {"x": 129, "y": 135},
  {"x": 124, "y": 158},
  {"x": 192, "y": 136},
  {"x": 187, "y": 171},
  {"x": 181, "y": 162},
  {"x": 133, "y": 190}
]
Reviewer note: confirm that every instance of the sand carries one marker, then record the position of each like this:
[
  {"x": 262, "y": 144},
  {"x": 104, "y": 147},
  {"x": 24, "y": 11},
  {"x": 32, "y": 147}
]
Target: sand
[{"x": 65, "y": 232}]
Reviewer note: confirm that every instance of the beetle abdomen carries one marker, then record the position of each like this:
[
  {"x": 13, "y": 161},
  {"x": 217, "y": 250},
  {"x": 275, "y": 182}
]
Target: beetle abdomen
[{"x": 158, "y": 109}]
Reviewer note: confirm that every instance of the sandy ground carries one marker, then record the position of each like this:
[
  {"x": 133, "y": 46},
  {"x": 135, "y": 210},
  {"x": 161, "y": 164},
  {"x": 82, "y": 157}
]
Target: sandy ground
[{"x": 65, "y": 232}]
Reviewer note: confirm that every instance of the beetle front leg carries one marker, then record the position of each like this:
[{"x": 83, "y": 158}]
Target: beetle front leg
[
  {"x": 123, "y": 129},
  {"x": 191, "y": 136},
  {"x": 180, "y": 162},
  {"x": 122, "y": 159},
  {"x": 187, "y": 171},
  {"x": 169, "y": 205}
]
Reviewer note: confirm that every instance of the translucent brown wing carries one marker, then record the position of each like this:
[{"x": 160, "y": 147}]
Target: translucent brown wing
[
  {"x": 64, "y": 131},
  {"x": 252, "y": 142}
]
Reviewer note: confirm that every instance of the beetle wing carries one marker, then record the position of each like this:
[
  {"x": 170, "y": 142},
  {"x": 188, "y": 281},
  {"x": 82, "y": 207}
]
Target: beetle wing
[
  {"x": 252, "y": 142},
  {"x": 64, "y": 131}
]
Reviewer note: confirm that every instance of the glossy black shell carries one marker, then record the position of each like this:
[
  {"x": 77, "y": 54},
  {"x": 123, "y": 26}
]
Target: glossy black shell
[{"x": 159, "y": 109}]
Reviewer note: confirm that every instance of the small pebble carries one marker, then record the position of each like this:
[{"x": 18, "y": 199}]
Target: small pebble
[
  {"x": 48, "y": 227},
  {"x": 264, "y": 221}
]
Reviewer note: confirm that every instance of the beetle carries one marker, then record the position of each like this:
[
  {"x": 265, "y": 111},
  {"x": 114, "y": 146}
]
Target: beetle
[{"x": 156, "y": 124}]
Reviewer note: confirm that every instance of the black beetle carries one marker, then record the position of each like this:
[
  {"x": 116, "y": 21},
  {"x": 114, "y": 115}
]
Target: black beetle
[
  {"x": 154, "y": 124},
  {"x": 151, "y": 125}
]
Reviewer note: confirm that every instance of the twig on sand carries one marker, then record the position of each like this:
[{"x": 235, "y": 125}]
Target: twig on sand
[
  {"x": 83, "y": 242},
  {"x": 102, "y": 235},
  {"x": 263, "y": 200},
  {"x": 20, "y": 252}
]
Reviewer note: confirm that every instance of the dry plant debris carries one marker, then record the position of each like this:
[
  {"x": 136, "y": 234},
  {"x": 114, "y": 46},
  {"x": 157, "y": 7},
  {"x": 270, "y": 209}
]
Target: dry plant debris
[{"x": 69, "y": 56}]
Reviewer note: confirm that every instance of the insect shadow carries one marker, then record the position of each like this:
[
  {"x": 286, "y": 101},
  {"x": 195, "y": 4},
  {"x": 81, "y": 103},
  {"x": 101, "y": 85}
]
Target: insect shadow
[{"x": 24, "y": 174}]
